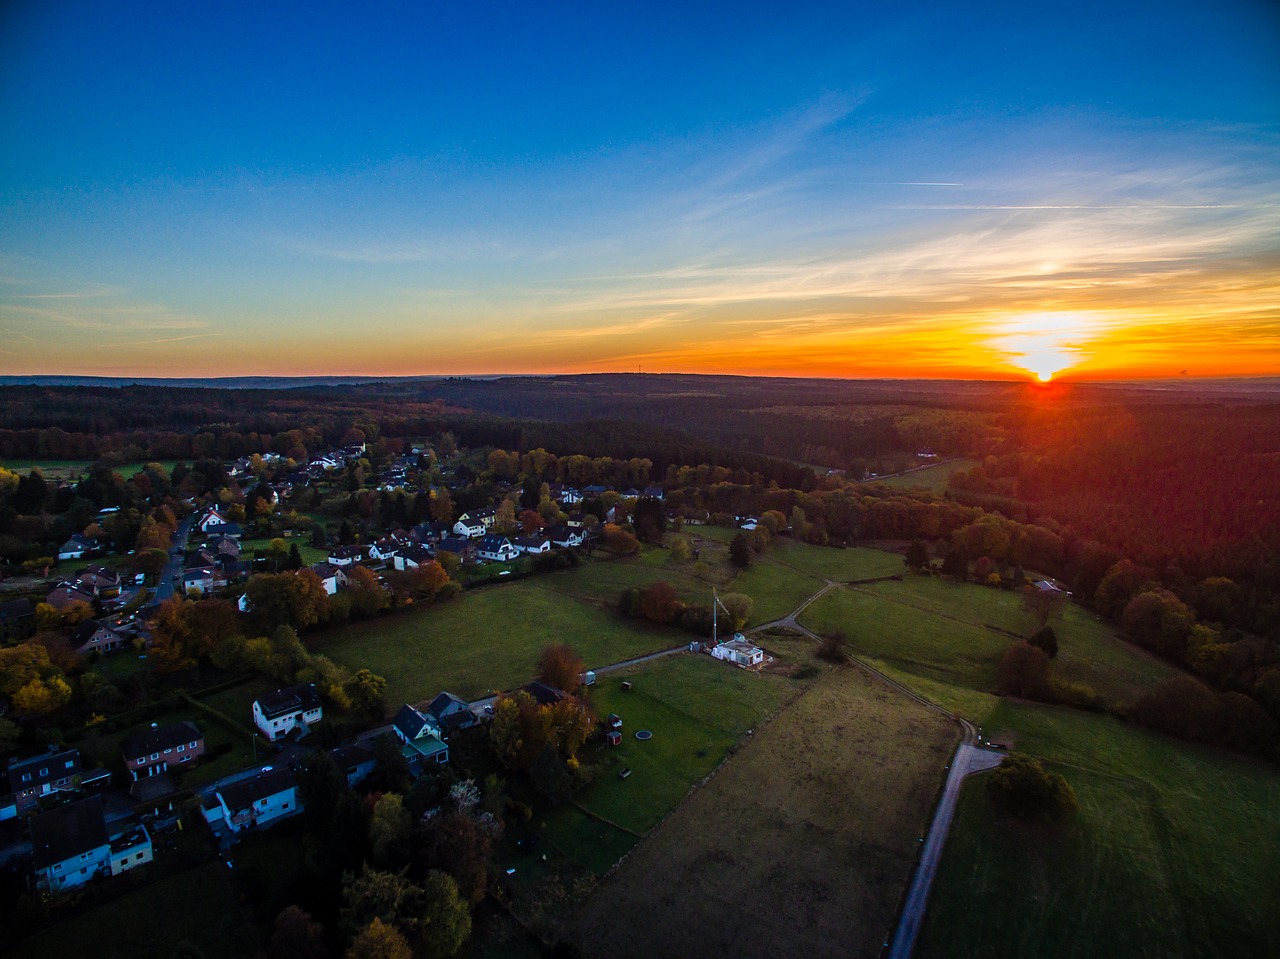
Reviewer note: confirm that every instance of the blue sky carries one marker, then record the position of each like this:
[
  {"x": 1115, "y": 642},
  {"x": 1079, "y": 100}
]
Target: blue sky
[{"x": 843, "y": 189}]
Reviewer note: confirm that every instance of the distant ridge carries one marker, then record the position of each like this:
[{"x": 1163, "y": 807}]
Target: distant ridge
[{"x": 219, "y": 382}]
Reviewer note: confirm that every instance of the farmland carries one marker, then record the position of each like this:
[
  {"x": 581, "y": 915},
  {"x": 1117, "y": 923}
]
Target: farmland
[{"x": 809, "y": 861}]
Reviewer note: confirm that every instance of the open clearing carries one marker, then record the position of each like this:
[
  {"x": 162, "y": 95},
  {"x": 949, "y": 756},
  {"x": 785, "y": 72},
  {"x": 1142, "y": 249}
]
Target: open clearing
[
  {"x": 934, "y": 478},
  {"x": 1175, "y": 852},
  {"x": 800, "y": 845}
]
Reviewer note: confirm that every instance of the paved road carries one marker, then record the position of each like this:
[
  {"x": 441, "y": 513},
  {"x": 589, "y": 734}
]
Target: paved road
[
  {"x": 177, "y": 557},
  {"x": 968, "y": 759}
]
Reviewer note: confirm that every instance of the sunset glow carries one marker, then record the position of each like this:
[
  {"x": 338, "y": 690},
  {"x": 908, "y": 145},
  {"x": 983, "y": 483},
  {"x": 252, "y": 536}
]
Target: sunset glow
[{"x": 943, "y": 193}]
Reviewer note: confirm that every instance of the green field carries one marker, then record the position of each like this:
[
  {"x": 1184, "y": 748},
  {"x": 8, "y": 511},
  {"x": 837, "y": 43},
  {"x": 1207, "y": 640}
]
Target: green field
[
  {"x": 150, "y": 921},
  {"x": 933, "y": 478},
  {"x": 74, "y": 469},
  {"x": 938, "y": 630},
  {"x": 1176, "y": 847},
  {"x": 696, "y": 708},
  {"x": 1175, "y": 852},
  {"x": 310, "y": 554},
  {"x": 487, "y": 639}
]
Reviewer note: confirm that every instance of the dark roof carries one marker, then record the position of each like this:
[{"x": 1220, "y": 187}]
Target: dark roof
[
  {"x": 453, "y": 544},
  {"x": 351, "y": 755},
  {"x": 245, "y": 793},
  {"x": 409, "y": 721},
  {"x": 531, "y": 542},
  {"x": 159, "y": 738},
  {"x": 443, "y": 702},
  {"x": 68, "y": 831},
  {"x": 544, "y": 694},
  {"x": 291, "y": 699},
  {"x": 492, "y": 543},
  {"x": 54, "y": 762}
]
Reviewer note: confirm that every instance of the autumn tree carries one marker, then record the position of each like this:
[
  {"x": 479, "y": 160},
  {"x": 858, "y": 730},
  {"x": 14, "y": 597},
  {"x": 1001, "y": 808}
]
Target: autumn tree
[
  {"x": 453, "y": 842},
  {"x": 617, "y": 540},
  {"x": 366, "y": 594},
  {"x": 389, "y": 830},
  {"x": 442, "y": 509},
  {"x": 294, "y": 599},
  {"x": 297, "y": 935},
  {"x": 560, "y": 667},
  {"x": 530, "y": 522},
  {"x": 737, "y": 606},
  {"x": 1024, "y": 671},
  {"x": 740, "y": 551},
  {"x": 917, "y": 557},
  {"x": 379, "y": 940}
]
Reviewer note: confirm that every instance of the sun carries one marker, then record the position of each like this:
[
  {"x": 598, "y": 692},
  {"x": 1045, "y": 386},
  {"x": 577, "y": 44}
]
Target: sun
[{"x": 1044, "y": 344}]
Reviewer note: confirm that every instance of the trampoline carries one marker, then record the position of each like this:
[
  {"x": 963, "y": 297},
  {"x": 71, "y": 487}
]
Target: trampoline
[{"x": 643, "y": 734}]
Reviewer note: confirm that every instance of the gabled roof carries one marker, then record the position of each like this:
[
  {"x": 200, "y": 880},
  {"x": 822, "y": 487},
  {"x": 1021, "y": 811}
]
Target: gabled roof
[
  {"x": 452, "y": 544},
  {"x": 291, "y": 699},
  {"x": 54, "y": 762},
  {"x": 245, "y": 793},
  {"x": 443, "y": 702},
  {"x": 410, "y": 722},
  {"x": 492, "y": 543},
  {"x": 68, "y": 831},
  {"x": 16, "y": 609},
  {"x": 159, "y": 738}
]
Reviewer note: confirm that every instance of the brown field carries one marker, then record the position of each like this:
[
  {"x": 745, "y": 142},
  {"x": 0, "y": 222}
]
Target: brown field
[{"x": 801, "y": 845}]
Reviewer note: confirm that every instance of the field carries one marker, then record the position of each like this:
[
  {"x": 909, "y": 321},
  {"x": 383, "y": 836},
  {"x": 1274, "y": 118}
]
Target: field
[
  {"x": 57, "y": 470},
  {"x": 150, "y": 921},
  {"x": 1175, "y": 852},
  {"x": 937, "y": 630},
  {"x": 934, "y": 478},
  {"x": 798, "y": 846},
  {"x": 310, "y": 554},
  {"x": 1176, "y": 847},
  {"x": 487, "y": 639}
]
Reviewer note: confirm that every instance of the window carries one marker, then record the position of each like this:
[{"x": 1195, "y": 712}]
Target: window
[
  {"x": 180, "y": 748},
  {"x": 26, "y": 777},
  {"x": 155, "y": 755},
  {"x": 191, "y": 745},
  {"x": 284, "y": 806},
  {"x": 70, "y": 764},
  {"x": 58, "y": 868},
  {"x": 44, "y": 772}
]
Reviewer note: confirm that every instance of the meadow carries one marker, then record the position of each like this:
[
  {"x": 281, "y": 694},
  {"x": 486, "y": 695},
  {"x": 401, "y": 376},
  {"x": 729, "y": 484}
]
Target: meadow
[
  {"x": 799, "y": 845},
  {"x": 932, "y": 478}
]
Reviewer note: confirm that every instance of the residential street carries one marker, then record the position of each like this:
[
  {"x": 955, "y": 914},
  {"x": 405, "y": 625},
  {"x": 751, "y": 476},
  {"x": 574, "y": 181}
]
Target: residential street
[{"x": 173, "y": 569}]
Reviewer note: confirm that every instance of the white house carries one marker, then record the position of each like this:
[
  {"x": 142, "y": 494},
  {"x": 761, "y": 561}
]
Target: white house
[
  {"x": 422, "y": 738},
  {"x": 533, "y": 544},
  {"x": 740, "y": 652},
  {"x": 261, "y": 800},
  {"x": 330, "y": 576},
  {"x": 497, "y": 549},
  {"x": 70, "y": 845},
  {"x": 211, "y": 519},
  {"x": 564, "y": 536},
  {"x": 130, "y": 849},
  {"x": 77, "y": 546},
  {"x": 469, "y": 527},
  {"x": 278, "y": 714}
]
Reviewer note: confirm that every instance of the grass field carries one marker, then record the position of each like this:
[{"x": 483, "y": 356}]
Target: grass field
[
  {"x": 310, "y": 554},
  {"x": 487, "y": 639},
  {"x": 74, "y": 469},
  {"x": 933, "y": 478},
  {"x": 937, "y": 630},
  {"x": 150, "y": 921},
  {"x": 1175, "y": 852},
  {"x": 798, "y": 846}
]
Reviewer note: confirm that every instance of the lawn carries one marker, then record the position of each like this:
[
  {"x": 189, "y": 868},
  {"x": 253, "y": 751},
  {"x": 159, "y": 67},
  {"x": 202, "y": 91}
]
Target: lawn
[
  {"x": 937, "y": 630},
  {"x": 74, "y": 469},
  {"x": 800, "y": 845},
  {"x": 487, "y": 639},
  {"x": 775, "y": 590},
  {"x": 828, "y": 562},
  {"x": 1174, "y": 852},
  {"x": 310, "y": 554},
  {"x": 148, "y": 922}
]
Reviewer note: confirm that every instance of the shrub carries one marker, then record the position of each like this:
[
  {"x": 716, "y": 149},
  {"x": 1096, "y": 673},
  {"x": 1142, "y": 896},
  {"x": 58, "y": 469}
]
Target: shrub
[
  {"x": 832, "y": 650},
  {"x": 1023, "y": 787}
]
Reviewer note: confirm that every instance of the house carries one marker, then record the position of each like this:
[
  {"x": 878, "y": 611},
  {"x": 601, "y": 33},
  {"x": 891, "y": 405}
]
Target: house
[
  {"x": 430, "y": 532},
  {"x": 469, "y": 527},
  {"x": 278, "y": 714},
  {"x": 532, "y": 544},
  {"x": 201, "y": 579},
  {"x": 37, "y": 776},
  {"x": 154, "y": 751},
  {"x": 70, "y": 845},
  {"x": 655, "y": 492},
  {"x": 1049, "y": 588},
  {"x": 78, "y": 546},
  {"x": 211, "y": 521},
  {"x": 130, "y": 848},
  {"x": 422, "y": 739},
  {"x": 451, "y": 713},
  {"x": 384, "y": 549},
  {"x": 17, "y": 621},
  {"x": 356, "y": 762},
  {"x": 465, "y": 550},
  {"x": 594, "y": 491},
  {"x": 497, "y": 549},
  {"x": 346, "y": 555},
  {"x": 740, "y": 652},
  {"x": 749, "y": 523},
  {"x": 567, "y": 496},
  {"x": 259, "y": 801},
  {"x": 411, "y": 557},
  {"x": 330, "y": 576},
  {"x": 564, "y": 536},
  {"x": 96, "y": 636},
  {"x": 223, "y": 547}
]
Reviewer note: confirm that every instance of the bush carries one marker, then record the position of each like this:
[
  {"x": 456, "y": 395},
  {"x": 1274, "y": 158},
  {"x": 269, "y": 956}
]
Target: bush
[
  {"x": 832, "y": 650},
  {"x": 1023, "y": 787}
]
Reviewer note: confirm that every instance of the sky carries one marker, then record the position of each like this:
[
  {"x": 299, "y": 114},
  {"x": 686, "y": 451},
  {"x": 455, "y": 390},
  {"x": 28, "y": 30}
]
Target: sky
[{"x": 971, "y": 190}]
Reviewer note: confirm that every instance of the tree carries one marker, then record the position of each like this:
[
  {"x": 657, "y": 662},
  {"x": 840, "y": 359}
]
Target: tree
[
  {"x": 737, "y": 606},
  {"x": 560, "y": 667},
  {"x": 454, "y": 843},
  {"x": 1044, "y": 638},
  {"x": 659, "y": 603},
  {"x": 376, "y": 894},
  {"x": 367, "y": 596},
  {"x": 650, "y": 519},
  {"x": 1043, "y": 604},
  {"x": 917, "y": 555},
  {"x": 1024, "y": 671},
  {"x": 445, "y": 922},
  {"x": 288, "y": 599},
  {"x": 379, "y": 940},
  {"x": 1157, "y": 619},
  {"x": 368, "y": 693},
  {"x": 530, "y": 521},
  {"x": 297, "y": 935},
  {"x": 389, "y": 830},
  {"x": 42, "y": 697},
  {"x": 617, "y": 540},
  {"x": 295, "y": 558},
  {"x": 740, "y": 551},
  {"x": 1025, "y": 788},
  {"x": 442, "y": 509},
  {"x": 10, "y": 733},
  {"x": 956, "y": 562}
]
